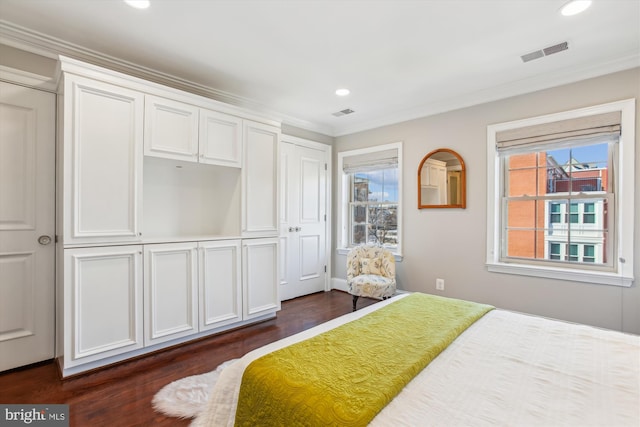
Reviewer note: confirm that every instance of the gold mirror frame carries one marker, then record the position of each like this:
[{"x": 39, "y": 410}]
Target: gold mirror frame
[{"x": 445, "y": 180}]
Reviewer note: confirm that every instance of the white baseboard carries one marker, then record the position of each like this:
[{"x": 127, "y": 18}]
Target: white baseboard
[{"x": 339, "y": 284}]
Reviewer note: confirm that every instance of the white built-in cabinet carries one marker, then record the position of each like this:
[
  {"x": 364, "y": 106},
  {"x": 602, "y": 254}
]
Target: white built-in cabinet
[
  {"x": 103, "y": 129},
  {"x": 260, "y": 270},
  {"x": 103, "y": 303},
  {"x": 220, "y": 283},
  {"x": 168, "y": 217},
  {"x": 180, "y": 131},
  {"x": 170, "y": 291},
  {"x": 259, "y": 180},
  {"x": 170, "y": 129}
]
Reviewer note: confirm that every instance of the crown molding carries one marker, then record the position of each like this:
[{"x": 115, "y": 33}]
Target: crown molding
[
  {"x": 520, "y": 87},
  {"x": 50, "y": 47}
]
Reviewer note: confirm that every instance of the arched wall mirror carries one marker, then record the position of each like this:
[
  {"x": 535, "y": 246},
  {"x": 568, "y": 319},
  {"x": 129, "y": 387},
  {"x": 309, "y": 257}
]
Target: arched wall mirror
[{"x": 442, "y": 180}]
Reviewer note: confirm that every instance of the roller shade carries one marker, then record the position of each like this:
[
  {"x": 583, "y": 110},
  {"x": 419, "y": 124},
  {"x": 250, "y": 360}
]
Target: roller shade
[
  {"x": 367, "y": 162},
  {"x": 585, "y": 128}
]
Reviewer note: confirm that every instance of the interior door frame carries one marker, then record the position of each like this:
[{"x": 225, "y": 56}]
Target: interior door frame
[
  {"x": 327, "y": 149},
  {"x": 47, "y": 84}
]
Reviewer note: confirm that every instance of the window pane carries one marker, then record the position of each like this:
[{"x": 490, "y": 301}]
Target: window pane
[
  {"x": 579, "y": 169},
  {"x": 376, "y": 186},
  {"x": 555, "y": 215},
  {"x": 525, "y": 243},
  {"x": 589, "y": 250},
  {"x": 360, "y": 189},
  {"x": 589, "y": 216},
  {"x": 589, "y": 253},
  {"x": 573, "y": 252},
  {"x": 384, "y": 224},
  {"x": 521, "y": 213},
  {"x": 525, "y": 177},
  {"x": 359, "y": 234},
  {"x": 573, "y": 216},
  {"x": 534, "y": 215}
]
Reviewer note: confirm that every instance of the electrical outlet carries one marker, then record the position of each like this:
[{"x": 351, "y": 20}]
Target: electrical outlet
[{"x": 440, "y": 284}]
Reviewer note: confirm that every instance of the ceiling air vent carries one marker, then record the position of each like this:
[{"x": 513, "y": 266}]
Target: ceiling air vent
[
  {"x": 343, "y": 112},
  {"x": 545, "y": 52}
]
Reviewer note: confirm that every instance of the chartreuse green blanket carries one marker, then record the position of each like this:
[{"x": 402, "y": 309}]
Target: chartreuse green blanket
[{"x": 345, "y": 376}]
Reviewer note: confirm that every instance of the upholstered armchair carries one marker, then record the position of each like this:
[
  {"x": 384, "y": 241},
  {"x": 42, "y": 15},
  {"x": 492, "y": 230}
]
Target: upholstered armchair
[{"x": 371, "y": 272}]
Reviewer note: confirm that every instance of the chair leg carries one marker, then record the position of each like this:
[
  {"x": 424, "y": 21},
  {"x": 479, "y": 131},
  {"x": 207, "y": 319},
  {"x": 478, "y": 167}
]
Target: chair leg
[{"x": 355, "y": 300}]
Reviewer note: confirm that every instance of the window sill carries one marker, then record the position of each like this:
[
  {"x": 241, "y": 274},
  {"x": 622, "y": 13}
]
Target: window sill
[
  {"x": 345, "y": 251},
  {"x": 595, "y": 277}
]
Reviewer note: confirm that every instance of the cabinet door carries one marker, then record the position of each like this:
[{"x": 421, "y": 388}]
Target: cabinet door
[
  {"x": 260, "y": 180},
  {"x": 102, "y": 302},
  {"x": 170, "y": 291},
  {"x": 220, "y": 139},
  {"x": 102, "y": 169},
  {"x": 219, "y": 283},
  {"x": 260, "y": 277},
  {"x": 171, "y": 129}
]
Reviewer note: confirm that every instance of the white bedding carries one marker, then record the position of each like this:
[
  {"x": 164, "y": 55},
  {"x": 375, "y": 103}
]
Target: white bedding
[{"x": 507, "y": 369}]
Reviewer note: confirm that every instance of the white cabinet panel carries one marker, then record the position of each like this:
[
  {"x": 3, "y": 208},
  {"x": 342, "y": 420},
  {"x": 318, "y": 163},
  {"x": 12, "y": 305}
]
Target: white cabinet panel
[
  {"x": 220, "y": 139},
  {"x": 170, "y": 291},
  {"x": 103, "y": 302},
  {"x": 103, "y": 127},
  {"x": 220, "y": 281},
  {"x": 259, "y": 180},
  {"x": 171, "y": 129},
  {"x": 260, "y": 277}
]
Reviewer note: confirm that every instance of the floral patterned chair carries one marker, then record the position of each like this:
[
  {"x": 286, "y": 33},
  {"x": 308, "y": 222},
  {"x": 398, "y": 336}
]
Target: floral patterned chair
[{"x": 371, "y": 272}]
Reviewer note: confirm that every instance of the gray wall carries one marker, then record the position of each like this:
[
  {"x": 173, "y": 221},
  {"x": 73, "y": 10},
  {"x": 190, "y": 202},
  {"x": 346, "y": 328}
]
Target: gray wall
[
  {"x": 451, "y": 243},
  {"x": 21, "y": 60},
  {"x": 307, "y": 134}
]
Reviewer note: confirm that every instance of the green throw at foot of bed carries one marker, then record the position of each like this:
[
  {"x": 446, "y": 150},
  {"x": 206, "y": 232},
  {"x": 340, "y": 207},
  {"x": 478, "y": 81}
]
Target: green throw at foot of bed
[{"x": 345, "y": 376}]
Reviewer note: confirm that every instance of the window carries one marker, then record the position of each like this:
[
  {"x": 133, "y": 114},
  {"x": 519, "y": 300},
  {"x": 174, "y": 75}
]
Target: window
[
  {"x": 371, "y": 196},
  {"x": 560, "y": 199}
]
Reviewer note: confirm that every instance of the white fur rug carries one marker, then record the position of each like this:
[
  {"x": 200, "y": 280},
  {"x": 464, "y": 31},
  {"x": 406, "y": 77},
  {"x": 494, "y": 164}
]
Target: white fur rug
[{"x": 187, "y": 397}]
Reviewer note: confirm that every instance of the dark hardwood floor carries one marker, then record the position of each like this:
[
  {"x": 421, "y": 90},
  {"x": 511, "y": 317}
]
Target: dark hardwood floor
[{"x": 121, "y": 395}]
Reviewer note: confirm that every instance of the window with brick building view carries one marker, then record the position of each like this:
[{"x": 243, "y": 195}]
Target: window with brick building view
[
  {"x": 558, "y": 203},
  {"x": 371, "y": 197},
  {"x": 374, "y": 207},
  {"x": 560, "y": 195}
]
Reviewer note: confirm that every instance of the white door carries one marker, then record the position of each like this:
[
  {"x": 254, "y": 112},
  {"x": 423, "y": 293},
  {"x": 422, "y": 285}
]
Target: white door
[
  {"x": 303, "y": 220},
  {"x": 27, "y": 194}
]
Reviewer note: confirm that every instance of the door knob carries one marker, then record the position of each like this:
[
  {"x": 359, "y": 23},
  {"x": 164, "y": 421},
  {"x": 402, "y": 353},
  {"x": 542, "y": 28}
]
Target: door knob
[
  {"x": 291, "y": 229},
  {"x": 44, "y": 240}
]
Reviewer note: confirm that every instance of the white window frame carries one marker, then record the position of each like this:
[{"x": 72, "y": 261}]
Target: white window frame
[
  {"x": 624, "y": 212},
  {"x": 343, "y": 197}
]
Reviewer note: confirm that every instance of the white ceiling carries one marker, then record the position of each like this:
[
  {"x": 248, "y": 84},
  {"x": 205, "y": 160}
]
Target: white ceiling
[{"x": 400, "y": 59}]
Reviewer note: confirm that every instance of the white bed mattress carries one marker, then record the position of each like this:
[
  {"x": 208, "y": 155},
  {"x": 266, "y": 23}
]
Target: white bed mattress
[{"x": 507, "y": 369}]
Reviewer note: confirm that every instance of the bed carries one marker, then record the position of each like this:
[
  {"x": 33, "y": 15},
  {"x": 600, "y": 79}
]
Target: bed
[{"x": 502, "y": 368}]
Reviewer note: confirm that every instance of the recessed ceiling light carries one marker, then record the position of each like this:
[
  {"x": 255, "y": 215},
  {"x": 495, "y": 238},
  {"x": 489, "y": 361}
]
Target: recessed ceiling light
[
  {"x": 574, "y": 7},
  {"x": 343, "y": 92},
  {"x": 138, "y": 4}
]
